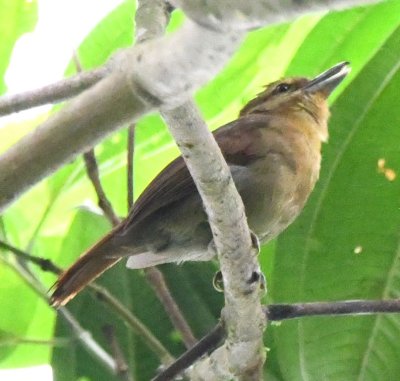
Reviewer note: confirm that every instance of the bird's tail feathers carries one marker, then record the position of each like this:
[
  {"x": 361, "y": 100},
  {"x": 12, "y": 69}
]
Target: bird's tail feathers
[{"x": 88, "y": 267}]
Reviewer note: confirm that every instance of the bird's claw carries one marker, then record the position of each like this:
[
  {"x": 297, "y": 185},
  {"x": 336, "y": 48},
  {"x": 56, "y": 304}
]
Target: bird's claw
[
  {"x": 258, "y": 276},
  {"x": 255, "y": 277},
  {"x": 218, "y": 281}
]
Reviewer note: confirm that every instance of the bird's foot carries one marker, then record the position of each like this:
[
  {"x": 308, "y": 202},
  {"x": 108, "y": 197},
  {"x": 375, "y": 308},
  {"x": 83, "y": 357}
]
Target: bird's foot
[
  {"x": 255, "y": 277},
  {"x": 218, "y": 281},
  {"x": 258, "y": 277}
]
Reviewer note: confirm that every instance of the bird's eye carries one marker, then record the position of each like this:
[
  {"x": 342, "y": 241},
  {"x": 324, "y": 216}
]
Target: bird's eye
[{"x": 282, "y": 88}]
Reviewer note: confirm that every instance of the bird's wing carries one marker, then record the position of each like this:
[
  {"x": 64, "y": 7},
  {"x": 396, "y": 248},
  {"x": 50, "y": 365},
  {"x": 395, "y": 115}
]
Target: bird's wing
[
  {"x": 242, "y": 145},
  {"x": 175, "y": 183},
  {"x": 172, "y": 184}
]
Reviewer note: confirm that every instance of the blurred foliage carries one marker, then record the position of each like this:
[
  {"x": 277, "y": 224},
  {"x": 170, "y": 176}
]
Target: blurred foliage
[
  {"x": 345, "y": 245},
  {"x": 16, "y": 18}
]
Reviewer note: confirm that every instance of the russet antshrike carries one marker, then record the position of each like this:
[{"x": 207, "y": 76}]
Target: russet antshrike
[{"x": 273, "y": 152}]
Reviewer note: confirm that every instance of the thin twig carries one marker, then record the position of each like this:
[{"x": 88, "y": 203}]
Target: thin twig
[
  {"x": 86, "y": 339},
  {"x": 277, "y": 312},
  {"x": 205, "y": 345},
  {"x": 39, "y": 225},
  {"x": 152, "y": 342},
  {"x": 122, "y": 366},
  {"x": 15, "y": 340},
  {"x": 53, "y": 93},
  {"x": 44, "y": 264},
  {"x": 92, "y": 169},
  {"x": 93, "y": 174},
  {"x": 129, "y": 166},
  {"x": 156, "y": 279}
]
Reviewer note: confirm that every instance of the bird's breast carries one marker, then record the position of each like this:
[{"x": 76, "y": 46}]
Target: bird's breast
[{"x": 282, "y": 182}]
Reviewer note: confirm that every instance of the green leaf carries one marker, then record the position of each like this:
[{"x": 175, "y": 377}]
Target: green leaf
[
  {"x": 261, "y": 59},
  {"x": 115, "y": 31},
  {"x": 346, "y": 243},
  {"x": 335, "y": 37},
  {"x": 192, "y": 287},
  {"x": 28, "y": 317}
]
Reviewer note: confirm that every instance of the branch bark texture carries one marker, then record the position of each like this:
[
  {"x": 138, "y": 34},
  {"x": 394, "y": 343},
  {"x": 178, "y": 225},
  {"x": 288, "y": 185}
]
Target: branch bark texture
[
  {"x": 236, "y": 15},
  {"x": 242, "y": 354}
]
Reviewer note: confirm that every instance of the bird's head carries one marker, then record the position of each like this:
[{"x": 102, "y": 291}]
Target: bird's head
[{"x": 300, "y": 97}]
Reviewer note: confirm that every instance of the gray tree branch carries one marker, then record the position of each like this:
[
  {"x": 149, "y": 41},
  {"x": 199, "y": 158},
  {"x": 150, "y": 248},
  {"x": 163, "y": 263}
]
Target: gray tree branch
[
  {"x": 279, "y": 312},
  {"x": 71, "y": 131},
  {"x": 225, "y": 15},
  {"x": 242, "y": 353},
  {"x": 53, "y": 93}
]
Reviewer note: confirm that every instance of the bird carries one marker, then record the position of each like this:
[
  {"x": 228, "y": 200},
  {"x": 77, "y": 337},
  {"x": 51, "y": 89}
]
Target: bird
[{"x": 273, "y": 150}]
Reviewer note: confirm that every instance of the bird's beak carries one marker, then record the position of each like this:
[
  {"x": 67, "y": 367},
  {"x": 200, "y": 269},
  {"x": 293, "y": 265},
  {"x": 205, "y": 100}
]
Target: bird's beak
[{"x": 328, "y": 80}]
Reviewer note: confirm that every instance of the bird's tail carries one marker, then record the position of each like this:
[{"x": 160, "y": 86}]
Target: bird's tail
[{"x": 88, "y": 267}]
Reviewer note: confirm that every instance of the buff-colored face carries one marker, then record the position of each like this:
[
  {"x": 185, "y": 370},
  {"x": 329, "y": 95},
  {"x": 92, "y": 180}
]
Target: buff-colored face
[
  {"x": 290, "y": 96},
  {"x": 302, "y": 98}
]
